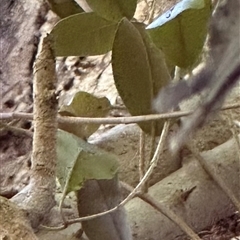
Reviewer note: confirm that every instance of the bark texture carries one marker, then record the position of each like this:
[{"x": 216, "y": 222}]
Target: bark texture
[{"x": 38, "y": 197}]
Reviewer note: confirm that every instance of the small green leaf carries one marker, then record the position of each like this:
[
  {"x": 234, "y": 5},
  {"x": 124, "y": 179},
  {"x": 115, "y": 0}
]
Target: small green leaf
[
  {"x": 78, "y": 161},
  {"x": 83, "y": 34},
  {"x": 84, "y": 104},
  {"x": 139, "y": 70},
  {"x": 64, "y": 8},
  {"x": 113, "y": 10},
  {"x": 181, "y": 31}
]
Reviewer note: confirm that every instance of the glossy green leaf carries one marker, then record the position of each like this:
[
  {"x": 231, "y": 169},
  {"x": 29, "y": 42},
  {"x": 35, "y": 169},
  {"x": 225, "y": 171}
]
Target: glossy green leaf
[
  {"x": 83, "y": 34},
  {"x": 181, "y": 31},
  {"x": 78, "y": 161},
  {"x": 64, "y": 8},
  {"x": 113, "y": 10},
  {"x": 84, "y": 104},
  {"x": 139, "y": 69}
]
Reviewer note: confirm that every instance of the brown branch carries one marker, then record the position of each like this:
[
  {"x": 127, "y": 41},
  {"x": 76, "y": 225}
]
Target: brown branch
[
  {"x": 112, "y": 120},
  {"x": 141, "y": 163},
  {"x": 38, "y": 197}
]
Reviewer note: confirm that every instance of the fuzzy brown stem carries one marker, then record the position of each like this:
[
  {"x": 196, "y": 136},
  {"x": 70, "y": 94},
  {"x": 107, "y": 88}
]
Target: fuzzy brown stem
[{"x": 38, "y": 197}]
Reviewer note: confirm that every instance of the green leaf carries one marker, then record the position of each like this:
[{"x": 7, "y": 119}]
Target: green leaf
[
  {"x": 139, "y": 69},
  {"x": 64, "y": 8},
  {"x": 83, "y": 34},
  {"x": 78, "y": 161},
  {"x": 113, "y": 10},
  {"x": 158, "y": 67},
  {"x": 181, "y": 31},
  {"x": 84, "y": 104}
]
